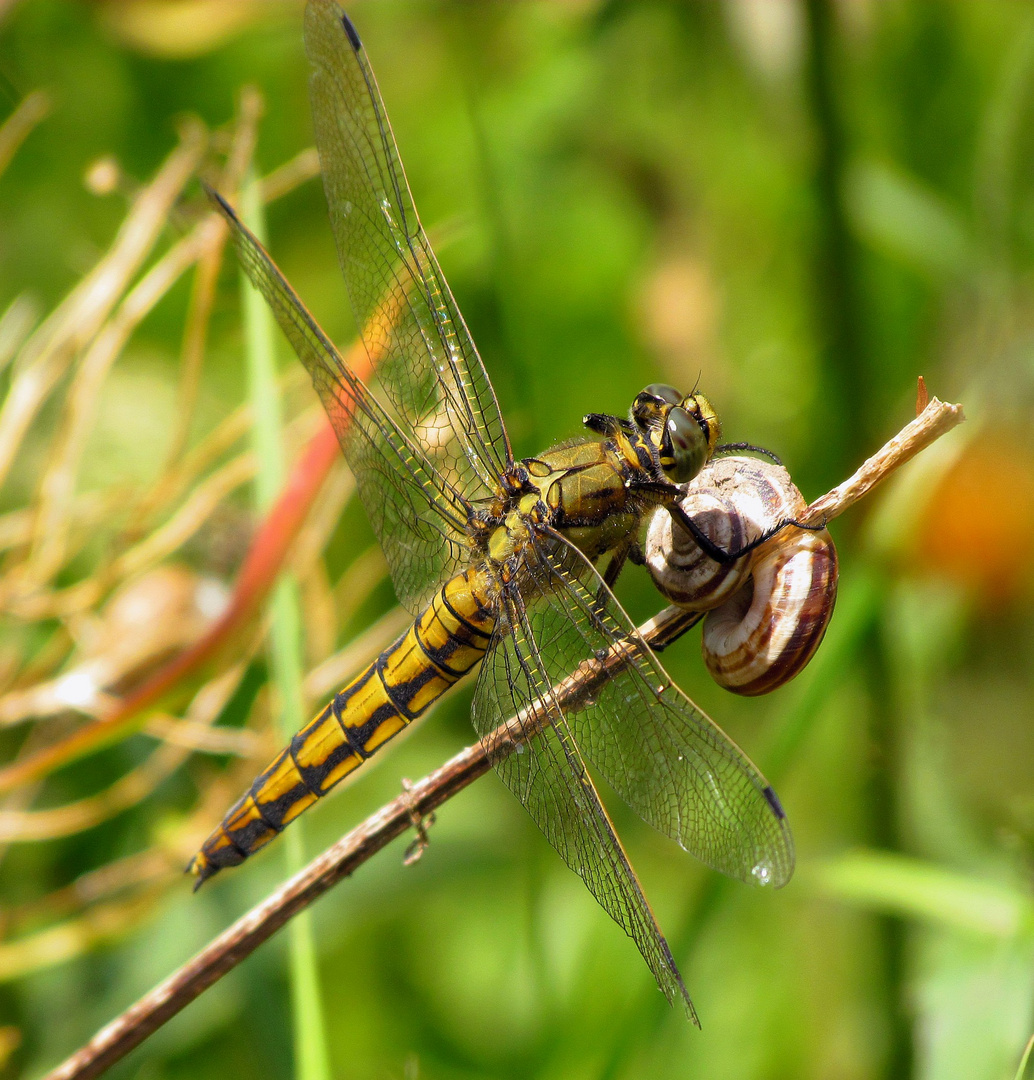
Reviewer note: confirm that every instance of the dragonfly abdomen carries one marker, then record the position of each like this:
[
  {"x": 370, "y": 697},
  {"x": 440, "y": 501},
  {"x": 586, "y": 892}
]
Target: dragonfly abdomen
[{"x": 447, "y": 639}]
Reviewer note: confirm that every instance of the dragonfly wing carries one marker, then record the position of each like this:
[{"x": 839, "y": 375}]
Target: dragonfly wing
[
  {"x": 666, "y": 758},
  {"x": 427, "y": 366},
  {"x": 548, "y": 775},
  {"x": 419, "y": 518}
]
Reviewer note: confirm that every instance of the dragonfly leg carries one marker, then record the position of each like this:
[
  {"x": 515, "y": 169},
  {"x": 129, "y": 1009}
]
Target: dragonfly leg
[
  {"x": 719, "y": 554},
  {"x": 420, "y": 826},
  {"x": 616, "y": 564},
  {"x": 734, "y": 447},
  {"x": 628, "y": 551}
]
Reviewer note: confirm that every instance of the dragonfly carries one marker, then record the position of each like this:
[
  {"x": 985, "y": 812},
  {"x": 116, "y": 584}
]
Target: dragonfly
[{"x": 496, "y": 557}]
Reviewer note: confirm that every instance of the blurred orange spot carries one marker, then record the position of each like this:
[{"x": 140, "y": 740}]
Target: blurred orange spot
[
  {"x": 680, "y": 312},
  {"x": 979, "y": 528}
]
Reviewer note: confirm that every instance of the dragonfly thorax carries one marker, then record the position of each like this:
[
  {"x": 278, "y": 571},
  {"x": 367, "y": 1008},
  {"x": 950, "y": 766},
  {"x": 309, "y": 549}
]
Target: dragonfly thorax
[
  {"x": 509, "y": 538},
  {"x": 595, "y": 491}
]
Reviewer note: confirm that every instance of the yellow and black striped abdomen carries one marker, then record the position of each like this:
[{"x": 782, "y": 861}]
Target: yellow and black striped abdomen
[{"x": 445, "y": 642}]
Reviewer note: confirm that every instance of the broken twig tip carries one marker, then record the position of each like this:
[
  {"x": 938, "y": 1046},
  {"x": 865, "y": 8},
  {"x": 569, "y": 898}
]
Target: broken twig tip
[{"x": 922, "y": 396}]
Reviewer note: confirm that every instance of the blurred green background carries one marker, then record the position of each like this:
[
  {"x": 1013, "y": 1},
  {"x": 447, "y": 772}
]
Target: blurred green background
[{"x": 804, "y": 204}]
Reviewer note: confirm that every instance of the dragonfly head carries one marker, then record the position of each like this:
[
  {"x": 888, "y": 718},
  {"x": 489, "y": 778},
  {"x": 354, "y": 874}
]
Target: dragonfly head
[{"x": 683, "y": 431}]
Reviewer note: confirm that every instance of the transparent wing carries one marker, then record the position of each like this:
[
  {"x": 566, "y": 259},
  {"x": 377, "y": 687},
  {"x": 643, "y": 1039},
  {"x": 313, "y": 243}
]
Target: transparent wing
[
  {"x": 547, "y": 774},
  {"x": 668, "y": 760},
  {"x": 428, "y": 369},
  {"x": 418, "y": 517}
]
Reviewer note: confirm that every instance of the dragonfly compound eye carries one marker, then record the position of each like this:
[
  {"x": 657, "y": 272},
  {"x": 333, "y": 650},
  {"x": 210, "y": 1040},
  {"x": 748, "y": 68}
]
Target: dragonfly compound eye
[
  {"x": 651, "y": 404},
  {"x": 666, "y": 393},
  {"x": 685, "y": 446}
]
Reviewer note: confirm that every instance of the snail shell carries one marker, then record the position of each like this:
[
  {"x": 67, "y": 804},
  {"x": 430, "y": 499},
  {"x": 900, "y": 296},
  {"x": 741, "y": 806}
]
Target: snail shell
[{"x": 766, "y": 612}]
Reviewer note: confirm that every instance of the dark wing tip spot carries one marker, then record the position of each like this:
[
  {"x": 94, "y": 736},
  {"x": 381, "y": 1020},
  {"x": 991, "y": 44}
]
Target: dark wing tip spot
[
  {"x": 350, "y": 30},
  {"x": 773, "y": 801}
]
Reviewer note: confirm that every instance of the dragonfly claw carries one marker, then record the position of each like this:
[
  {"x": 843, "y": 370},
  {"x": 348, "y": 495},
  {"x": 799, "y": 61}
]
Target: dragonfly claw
[{"x": 420, "y": 826}]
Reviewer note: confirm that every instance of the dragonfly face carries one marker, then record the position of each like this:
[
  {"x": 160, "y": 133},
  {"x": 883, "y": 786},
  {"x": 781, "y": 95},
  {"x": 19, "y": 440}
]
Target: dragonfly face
[
  {"x": 685, "y": 430},
  {"x": 495, "y": 557}
]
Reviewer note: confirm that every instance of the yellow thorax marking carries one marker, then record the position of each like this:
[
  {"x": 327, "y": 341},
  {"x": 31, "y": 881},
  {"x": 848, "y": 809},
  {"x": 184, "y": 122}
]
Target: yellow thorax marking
[
  {"x": 506, "y": 539},
  {"x": 627, "y": 449}
]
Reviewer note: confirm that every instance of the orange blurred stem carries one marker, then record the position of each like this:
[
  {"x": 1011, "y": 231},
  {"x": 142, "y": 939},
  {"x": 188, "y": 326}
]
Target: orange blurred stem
[{"x": 922, "y": 396}]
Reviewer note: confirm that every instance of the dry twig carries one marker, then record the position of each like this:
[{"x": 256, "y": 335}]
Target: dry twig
[{"x": 422, "y": 798}]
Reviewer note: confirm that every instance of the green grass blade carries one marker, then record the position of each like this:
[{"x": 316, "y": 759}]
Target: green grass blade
[
  {"x": 917, "y": 889},
  {"x": 310, "y": 1044}
]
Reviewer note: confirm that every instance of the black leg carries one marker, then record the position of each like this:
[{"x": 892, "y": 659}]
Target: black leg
[
  {"x": 720, "y": 555},
  {"x": 610, "y": 576},
  {"x": 616, "y": 564},
  {"x": 732, "y": 447}
]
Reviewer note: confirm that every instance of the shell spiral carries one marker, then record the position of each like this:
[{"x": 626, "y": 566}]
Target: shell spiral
[{"x": 767, "y": 612}]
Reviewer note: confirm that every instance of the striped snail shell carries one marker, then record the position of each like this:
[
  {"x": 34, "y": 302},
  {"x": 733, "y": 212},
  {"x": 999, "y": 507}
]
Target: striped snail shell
[{"x": 766, "y": 612}]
